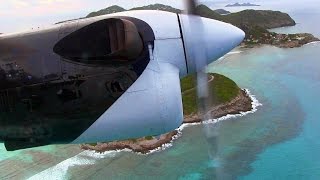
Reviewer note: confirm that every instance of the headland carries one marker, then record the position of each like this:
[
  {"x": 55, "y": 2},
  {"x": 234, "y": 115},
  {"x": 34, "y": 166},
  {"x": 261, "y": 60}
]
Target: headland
[{"x": 227, "y": 100}]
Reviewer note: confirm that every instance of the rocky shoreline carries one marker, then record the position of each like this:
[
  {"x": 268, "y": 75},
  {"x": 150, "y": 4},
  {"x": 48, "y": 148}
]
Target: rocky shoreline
[
  {"x": 280, "y": 40},
  {"x": 241, "y": 103},
  {"x": 305, "y": 38}
]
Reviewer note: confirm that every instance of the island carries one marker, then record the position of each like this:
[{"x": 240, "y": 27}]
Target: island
[
  {"x": 226, "y": 99},
  {"x": 241, "y": 5},
  {"x": 259, "y": 36}
]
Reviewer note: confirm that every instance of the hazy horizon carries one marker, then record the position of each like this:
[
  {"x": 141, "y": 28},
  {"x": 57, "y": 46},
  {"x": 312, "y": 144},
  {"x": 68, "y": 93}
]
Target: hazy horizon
[{"x": 19, "y": 15}]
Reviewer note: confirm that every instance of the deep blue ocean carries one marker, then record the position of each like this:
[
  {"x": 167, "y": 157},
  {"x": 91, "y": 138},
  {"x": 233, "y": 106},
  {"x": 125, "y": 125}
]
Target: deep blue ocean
[{"x": 279, "y": 141}]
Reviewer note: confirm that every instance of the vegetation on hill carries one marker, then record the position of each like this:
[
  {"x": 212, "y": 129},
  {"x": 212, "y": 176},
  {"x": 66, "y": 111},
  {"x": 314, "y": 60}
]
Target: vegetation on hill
[
  {"x": 250, "y": 21},
  {"x": 158, "y": 7},
  {"x": 205, "y": 11},
  {"x": 222, "y": 91},
  {"x": 255, "y": 24},
  {"x": 108, "y": 10},
  {"x": 261, "y": 18},
  {"x": 222, "y": 11},
  {"x": 114, "y": 9}
]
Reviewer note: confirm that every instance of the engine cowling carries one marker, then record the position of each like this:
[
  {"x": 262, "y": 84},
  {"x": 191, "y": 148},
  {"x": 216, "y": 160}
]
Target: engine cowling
[{"x": 109, "y": 41}]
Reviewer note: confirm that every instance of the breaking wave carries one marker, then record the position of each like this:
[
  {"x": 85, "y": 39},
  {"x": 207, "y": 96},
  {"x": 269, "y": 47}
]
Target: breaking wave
[
  {"x": 255, "y": 104},
  {"x": 314, "y": 42},
  {"x": 230, "y": 53}
]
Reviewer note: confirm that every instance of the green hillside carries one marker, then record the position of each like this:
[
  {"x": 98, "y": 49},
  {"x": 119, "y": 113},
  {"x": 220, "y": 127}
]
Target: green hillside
[
  {"x": 222, "y": 90},
  {"x": 109, "y": 10},
  {"x": 262, "y": 18},
  {"x": 158, "y": 7},
  {"x": 222, "y": 11}
]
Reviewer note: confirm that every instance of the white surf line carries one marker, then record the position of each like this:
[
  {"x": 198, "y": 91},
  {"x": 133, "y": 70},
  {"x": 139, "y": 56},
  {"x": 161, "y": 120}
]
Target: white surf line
[
  {"x": 60, "y": 170},
  {"x": 229, "y": 54},
  {"x": 234, "y": 52},
  {"x": 255, "y": 104},
  {"x": 164, "y": 146},
  {"x": 314, "y": 42}
]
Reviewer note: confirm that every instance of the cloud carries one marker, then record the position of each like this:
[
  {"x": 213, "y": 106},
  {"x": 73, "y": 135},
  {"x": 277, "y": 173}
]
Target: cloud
[
  {"x": 18, "y": 15},
  {"x": 33, "y": 8}
]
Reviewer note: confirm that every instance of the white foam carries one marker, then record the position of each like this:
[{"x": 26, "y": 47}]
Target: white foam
[
  {"x": 234, "y": 52},
  {"x": 228, "y": 54},
  {"x": 60, "y": 170},
  {"x": 314, "y": 42},
  {"x": 221, "y": 58},
  {"x": 255, "y": 103},
  {"x": 164, "y": 146}
]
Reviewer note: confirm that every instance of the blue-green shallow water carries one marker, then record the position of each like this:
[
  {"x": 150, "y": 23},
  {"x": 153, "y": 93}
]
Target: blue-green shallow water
[
  {"x": 279, "y": 141},
  {"x": 288, "y": 81}
]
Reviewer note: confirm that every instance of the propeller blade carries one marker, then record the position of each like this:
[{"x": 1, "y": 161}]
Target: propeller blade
[
  {"x": 191, "y": 6},
  {"x": 200, "y": 57}
]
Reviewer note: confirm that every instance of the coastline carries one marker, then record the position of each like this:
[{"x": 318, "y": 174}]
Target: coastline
[
  {"x": 282, "y": 40},
  {"x": 244, "y": 103}
]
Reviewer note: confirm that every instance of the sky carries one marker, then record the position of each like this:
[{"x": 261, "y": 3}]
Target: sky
[{"x": 19, "y": 15}]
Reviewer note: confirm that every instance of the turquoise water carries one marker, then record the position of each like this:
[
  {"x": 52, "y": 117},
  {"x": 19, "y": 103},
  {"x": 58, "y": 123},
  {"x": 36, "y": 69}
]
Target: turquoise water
[
  {"x": 288, "y": 83},
  {"x": 279, "y": 141}
]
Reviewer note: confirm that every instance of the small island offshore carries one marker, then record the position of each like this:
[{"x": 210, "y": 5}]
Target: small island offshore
[
  {"x": 241, "y": 5},
  {"x": 229, "y": 99}
]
